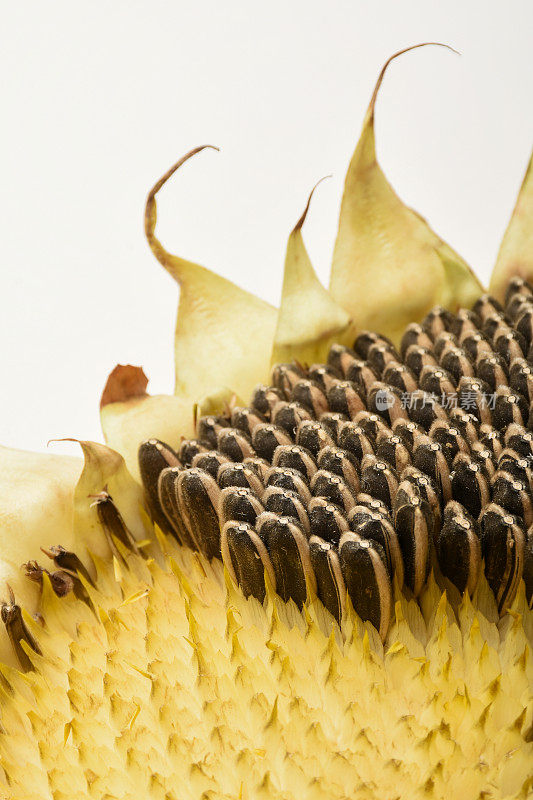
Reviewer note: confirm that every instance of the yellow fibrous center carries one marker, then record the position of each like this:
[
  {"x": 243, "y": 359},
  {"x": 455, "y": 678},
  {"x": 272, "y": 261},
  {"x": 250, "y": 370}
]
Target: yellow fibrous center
[{"x": 173, "y": 685}]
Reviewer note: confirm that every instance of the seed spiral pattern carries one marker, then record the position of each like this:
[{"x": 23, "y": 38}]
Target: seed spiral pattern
[{"x": 377, "y": 467}]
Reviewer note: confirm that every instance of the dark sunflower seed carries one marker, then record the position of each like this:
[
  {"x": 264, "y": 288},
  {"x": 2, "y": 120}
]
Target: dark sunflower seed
[
  {"x": 235, "y": 444},
  {"x": 313, "y": 436},
  {"x": 493, "y": 370},
  {"x": 510, "y": 345},
  {"x": 239, "y": 505},
  {"x": 361, "y": 374},
  {"x": 197, "y": 496},
  {"x": 342, "y": 463},
  {"x": 258, "y": 465},
  {"x": 285, "y": 503},
  {"x": 436, "y": 381},
  {"x": 470, "y": 486},
  {"x": 387, "y": 401},
  {"x": 331, "y": 588},
  {"x": 326, "y": 520},
  {"x": 210, "y": 462},
  {"x": 288, "y": 549},
  {"x": 264, "y": 398},
  {"x": 516, "y": 286},
  {"x": 457, "y": 363},
  {"x": 246, "y": 419},
  {"x": 475, "y": 345},
  {"x": 520, "y": 440},
  {"x": 239, "y": 475},
  {"x": 189, "y": 448},
  {"x": 311, "y": 397},
  {"x": 425, "y": 409},
  {"x": 376, "y": 527},
  {"x": 168, "y": 499},
  {"x": 340, "y": 358},
  {"x": 503, "y": 548},
  {"x": 415, "y": 484},
  {"x": 372, "y": 425},
  {"x": 323, "y": 376},
  {"x": 400, "y": 376},
  {"x": 295, "y": 457},
  {"x": 379, "y": 479},
  {"x": 367, "y": 580},
  {"x": 417, "y": 357},
  {"x": 521, "y": 378},
  {"x": 207, "y": 429},
  {"x": 487, "y": 305},
  {"x": 288, "y": 416},
  {"x": 509, "y": 407},
  {"x": 414, "y": 335},
  {"x": 246, "y": 558},
  {"x": 154, "y": 456},
  {"x": 112, "y": 522},
  {"x": 366, "y": 339},
  {"x": 449, "y": 437},
  {"x": 343, "y": 398},
  {"x": 467, "y": 423},
  {"x": 513, "y": 495},
  {"x": 291, "y": 480},
  {"x": 459, "y": 548},
  {"x": 266, "y": 438},
  {"x": 392, "y": 449},
  {"x": 413, "y": 524},
  {"x": 410, "y": 433},
  {"x": 524, "y": 324},
  {"x": 430, "y": 458},
  {"x": 332, "y": 422},
  {"x": 465, "y": 321},
  {"x": 379, "y": 355},
  {"x": 437, "y": 320},
  {"x": 353, "y": 439},
  {"x": 490, "y": 438},
  {"x": 333, "y": 488},
  {"x": 518, "y": 466},
  {"x": 445, "y": 341},
  {"x": 475, "y": 396}
]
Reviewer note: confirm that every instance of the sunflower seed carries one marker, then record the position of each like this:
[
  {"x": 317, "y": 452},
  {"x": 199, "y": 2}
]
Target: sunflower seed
[
  {"x": 239, "y": 475},
  {"x": 239, "y": 505},
  {"x": 413, "y": 524},
  {"x": 288, "y": 549},
  {"x": 154, "y": 456},
  {"x": 326, "y": 520},
  {"x": 246, "y": 558},
  {"x": 470, "y": 487},
  {"x": 367, "y": 580},
  {"x": 331, "y": 588},
  {"x": 266, "y": 438},
  {"x": 459, "y": 548},
  {"x": 503, "y": 548},
  {"x": 285, "y": 503}
]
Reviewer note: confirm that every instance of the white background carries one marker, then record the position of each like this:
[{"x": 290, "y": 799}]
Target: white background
[{"x": 99, "y": 98}]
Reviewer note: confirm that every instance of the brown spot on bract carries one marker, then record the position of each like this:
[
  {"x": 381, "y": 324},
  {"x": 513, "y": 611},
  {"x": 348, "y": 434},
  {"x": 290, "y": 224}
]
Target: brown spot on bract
[{"x": 124, "y": 383}]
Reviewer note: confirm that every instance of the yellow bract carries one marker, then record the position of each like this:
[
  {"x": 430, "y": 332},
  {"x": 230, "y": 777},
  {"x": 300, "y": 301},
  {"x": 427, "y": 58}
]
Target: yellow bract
[
  {"x": 309, "y": 320},
  {"x": 389, "y": 267},
  {"x": 516, "y": 250},
  {"x": 224, "y": 335}
]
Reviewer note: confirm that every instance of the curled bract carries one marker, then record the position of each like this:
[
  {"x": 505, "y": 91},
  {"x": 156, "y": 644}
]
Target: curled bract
[{"x": 389, "y": 267}]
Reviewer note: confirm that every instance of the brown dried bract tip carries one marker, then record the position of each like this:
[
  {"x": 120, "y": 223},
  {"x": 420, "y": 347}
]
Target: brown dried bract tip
[
  {"x": 111, "y": 521},
  {"x": 17, "y": 630},
  {"x": 62, "y": 583}
]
